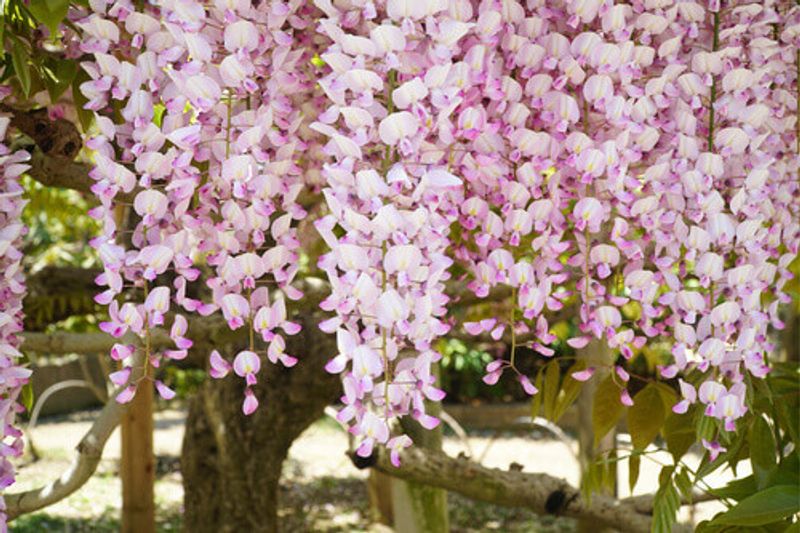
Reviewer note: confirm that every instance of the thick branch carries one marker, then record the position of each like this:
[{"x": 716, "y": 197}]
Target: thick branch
[
  {"x": 57, "y": 143},
  {"x": 62, "y": 172},
  {"x": 90, "y": 451},
  {"x": 63, "y": 342},
  {"x": 540, "y": 493}
]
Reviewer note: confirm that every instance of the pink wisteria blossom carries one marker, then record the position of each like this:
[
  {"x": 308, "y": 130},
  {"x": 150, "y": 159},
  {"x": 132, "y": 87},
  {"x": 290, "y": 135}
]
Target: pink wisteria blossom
[{"x": 629, "y": 162}]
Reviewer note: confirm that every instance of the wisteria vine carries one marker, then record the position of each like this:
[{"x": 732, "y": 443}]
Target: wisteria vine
[
  {"x": 636, "y": 160},
  {"x": 13, "y": 372}
]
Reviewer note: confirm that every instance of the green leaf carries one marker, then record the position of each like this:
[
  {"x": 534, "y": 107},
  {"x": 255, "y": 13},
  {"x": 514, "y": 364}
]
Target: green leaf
[
  {"x": 679, "y": 432},
  {"x": 85, "y": 116},
  {"x": 27, "y": 397},
  {"x": 684, "y": 484},
  {"x": 765, "y": 507},
  {"x": 634, "y": 462},
  {"x": 552, "y": 376},
  {"x": 606, "y": 408},
  {"x": 666, "y": 503},
  {"x": 570, "y": 390},
  {"x": 536, "y": 403},
  {"x": 738, "y": 489},
  {"x": 19, "y": 58},
  {"x": 58, "y": 75},
  {"x": 646, "y": 416},
  {"x": 762, "y": 449},
  {"x": 787, "y": 473},
  {"x": 49, "y": 12},
  {"x": 706, "y": 426}
]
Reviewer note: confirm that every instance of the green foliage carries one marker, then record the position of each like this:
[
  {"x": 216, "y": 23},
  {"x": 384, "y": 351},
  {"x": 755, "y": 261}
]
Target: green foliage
[
  {"x": 184, "y": 381},
  {"x": 666, "y": 503},
  {"x": 19, "y": 60},
  {"x": 27, "y": 396},
  {"x": 552, "y": 376},
  {"x": 50, "y": 13},
  {"x": 647, "y": 415},
  {"x": 536, "y": 404},
  {"x": 570, "y": 389},
  {"x": 763, "y": 508},
  {"x": 679, "y": 433},
  {"x": 59, "y": 228},
  {"x": 606, "y": 408},
  {"x": 634, "y": 463},
  {"x": 762, "y": 449},
  {"x": 462, "y": 367}
]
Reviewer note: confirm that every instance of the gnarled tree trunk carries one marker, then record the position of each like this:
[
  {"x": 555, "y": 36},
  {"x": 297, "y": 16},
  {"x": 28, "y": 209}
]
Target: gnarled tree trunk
[{"x": 231, "y": 463}]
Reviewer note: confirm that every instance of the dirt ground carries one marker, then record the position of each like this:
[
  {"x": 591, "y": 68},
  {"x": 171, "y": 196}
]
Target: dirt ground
[{"x": 321, "y": 490}]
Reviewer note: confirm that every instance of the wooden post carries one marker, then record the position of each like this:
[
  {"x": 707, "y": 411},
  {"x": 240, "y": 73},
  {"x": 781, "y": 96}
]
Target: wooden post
[{"x": 137, "y": 464}]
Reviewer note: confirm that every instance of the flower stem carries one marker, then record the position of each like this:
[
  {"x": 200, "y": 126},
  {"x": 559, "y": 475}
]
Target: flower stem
[{"x": 713, "y": 99}]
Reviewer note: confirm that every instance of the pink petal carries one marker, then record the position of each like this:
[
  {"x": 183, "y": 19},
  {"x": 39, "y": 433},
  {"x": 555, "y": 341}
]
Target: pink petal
[
  {"x": 528, "y": 386},
  {"x": 291, "y": 328},
  {"x": 120, "y": 377},
  {"x": 219, "y": 366},
  {"x": 578, "y": 342},
  {"x": 498, "y": 332},
  {"x": 492, "y": 377},
  {"x": 127, "y": 394},
  {"x": 583, "y": 375},
  {"x": 473, "y": 328},
  {"x": 164, "y": 391},
  {"x": 428, "y": 421},
  {"x": 625, "y": 398},
  {"x": 175, "y": 355},
  {"x": 250, "y": 403}
]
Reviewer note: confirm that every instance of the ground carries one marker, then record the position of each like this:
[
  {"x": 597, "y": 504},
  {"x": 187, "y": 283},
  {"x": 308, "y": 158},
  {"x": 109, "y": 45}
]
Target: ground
[{"x": 321, "y": 490}]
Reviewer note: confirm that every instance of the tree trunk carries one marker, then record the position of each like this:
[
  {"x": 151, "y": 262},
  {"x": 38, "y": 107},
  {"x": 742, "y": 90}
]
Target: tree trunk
[{"x": 231, "y": 463}]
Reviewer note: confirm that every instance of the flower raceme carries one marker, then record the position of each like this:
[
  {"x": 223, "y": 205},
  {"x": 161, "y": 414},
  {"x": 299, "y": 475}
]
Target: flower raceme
[
  {"x": 589, "y": 155},
  {"x": 208, "y": 149},
  {"x": 14, "y": 375}
]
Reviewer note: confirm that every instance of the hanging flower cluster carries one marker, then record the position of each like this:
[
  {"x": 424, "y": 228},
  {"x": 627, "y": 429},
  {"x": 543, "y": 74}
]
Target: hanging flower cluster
[
  {"x": 13, "y": 375},
  {"x": 199, "y": 110},
  {"x": 636, "y": 159},
  {"x": 391, "y": 192},
  {"x": 646, "y": 160}
]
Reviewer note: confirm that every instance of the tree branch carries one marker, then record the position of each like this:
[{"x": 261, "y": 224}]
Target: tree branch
[
  {"x": 540, "y": 493},
  {"x": 57, "y": 143},
  {"x": 62, "y": 172},
  {"x": 90, "y": 451}
]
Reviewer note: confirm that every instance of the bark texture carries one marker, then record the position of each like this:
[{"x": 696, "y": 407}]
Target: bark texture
[
  {"x": 541, "y": 493},
  {"x": 231, "y": 463}
]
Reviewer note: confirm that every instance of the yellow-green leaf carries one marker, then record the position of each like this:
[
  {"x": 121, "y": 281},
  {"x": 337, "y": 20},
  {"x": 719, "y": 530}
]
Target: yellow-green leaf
[
  {"x": 762, "y": 449},
  {"x": 633, "y": 470},
  {"x": 19, "y": 58},
  {"x": 680, "y": 434},
  {"x": 49, "y": 12},
  {"x": 552, "y": 376},
  {"x": 536, "y": 403},
  {"x": 765, "y": 507},
  {"x": 606, "y": 408},
  {"x": 646, "y": 416}
]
